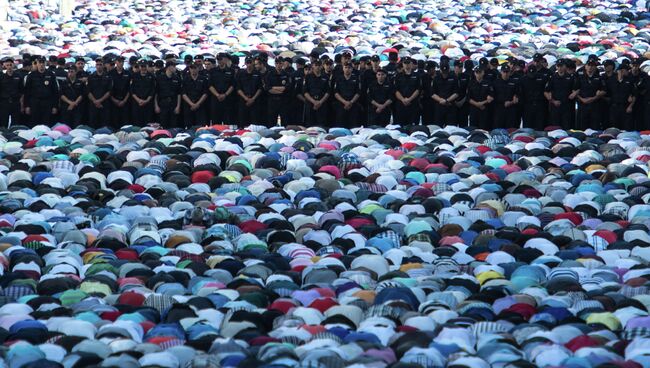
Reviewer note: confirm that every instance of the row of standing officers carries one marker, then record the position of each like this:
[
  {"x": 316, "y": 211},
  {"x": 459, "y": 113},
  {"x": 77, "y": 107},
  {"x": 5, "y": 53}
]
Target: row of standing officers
[{"x": 346, "y": 93}]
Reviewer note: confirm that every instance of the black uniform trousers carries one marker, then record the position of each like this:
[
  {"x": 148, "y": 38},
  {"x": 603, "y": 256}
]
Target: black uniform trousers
[
  {"x": 99, "y": 117},
  {"x": 619, "y": 117},
  {"x": 317, "y": 117},
  {"x": 221, "y": 111},
  {"x": 277, "y": 106},
  {"x": 9, "y": 109},
  {"x": 194, "y": 118},
  {"x": 120, "y": 115},
  {"x": 535, "y": 113},
  {"x": 428, "y": 111},
  {"x": 346, "y": 118},
  {"x": 72, "y": 117},
  {"x": 505, "y": 117},
  {"x": 463, "y": 112},
  {"x": 247, "y": 115},
  {"x": 41, "y": 112},
  {"x": 561, "y": 115},
  {"x": 142, "y": 115},
  {"x": 590, "y": 115},
  {"x": 445, "y": 114},
  {"x": 407, "y": 115},
  {"x": 381, "y": 119},
  {"x": 167, "y": 118},
  {"x": 481, "y": 118}
]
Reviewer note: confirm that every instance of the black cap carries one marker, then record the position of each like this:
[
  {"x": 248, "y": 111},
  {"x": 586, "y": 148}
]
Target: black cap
[
  {"x": 609, "y": 62},
  {"x": 223, "y": 55},
  {"x": 120, "y": 58},
  {"x": 8, "y": 59},
  {"x": 133, "y": 60},
  {"x": 60, "y": 61},
  {"x": 431, "y": 64},
  {"x": 560, "y": 62},
  {"x": 407, "y": 59},
  {"x": 444, "y": 66},
  {"x": 505, "y": 68},
  {"x": 249, "y": 59},
  {"x": 592, "y": 62},
  {"x": 494, "y": 61},
  {"x": 198, "y": 57},
  {"x": 314, "y": 54},
  {"x": 538, "y": 57},
  {"x": 382, "y": 70},
  {"x": 159, "y": 64},
  {"x": 79, "y": 58},
  {"x": 637, "y": 61},
  {"x": 301, "y": 61},
  {"x": 143, "y": 62},
  {"x": 375, "y": 58},
  {"x": 99, "y": 60},
  {"x": 483, "y": 61},
  {"x": 479, "y": 68},
  {"x": 188, "y": 58},
  {"x": 392, "y": 56},
  {"x": 623, "y": 66},
  {"x": 170, "y": 63},
  {"x": 53, "y": 59}
]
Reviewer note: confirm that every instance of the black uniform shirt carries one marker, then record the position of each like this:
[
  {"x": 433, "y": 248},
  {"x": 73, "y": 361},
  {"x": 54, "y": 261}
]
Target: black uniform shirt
[
  {"x": 380, "y": 93},
  {"x": 561, "y": 86},
  {"x": 222, "y": 79},
  {"x": 479, "y": 91},
  {"x": 505, "y": 90},
  {"x": 11, "y": 87},
  {"x": 195, "y": 88},
  {"x": 249, "y": 83},
  {"x": 316, "y": 86},
  {"x": 589, "y": 86},
  {"x": 72, "y": 90},
  {"x": 42, "y": 87},
  {"x": 407, "y": 84},
  {"x": 620, "y": 91},
  {"x": 143, "y": 86},
  {"x": 99, "y": 85},
  {"x": 121, "y": 83},
  {"x": 168, "y": 87},
  {"x": 347, "y": 88},
  {"x": 444, "y": 87},
  {"x": 533, "y": 87},
  {"x": 275, "y": 79}
]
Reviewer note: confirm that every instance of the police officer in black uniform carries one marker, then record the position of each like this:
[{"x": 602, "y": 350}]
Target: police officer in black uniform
[
  {"x": 461, "y": 103},
  {"x": 262, "y": 67},
  {"x": 249, "y": 90},
  {"x": 167, "y": 103},
  {"x": 480, "y": 94},
  {"x": 222, "y": 85},
  {"x": 428, "y": 106},
  {"x": 41, "y": 93},
  {"x": 506, "y": 99},
  {"x": 380, "y": 98},
  {"x": 120, "y": 96},
  {"x": 591, "y": 90},
  {"x": 535, "y": 105},
  {"x": 195, "y": 94},
  {"x": 561, "y": 93},
  {"x": 278, "y": 88},
  {"x": 298, "y": 78},
  {"x": 622, "y": 97},
  {"x": 347, "y": 91},
  {"x": 73, "y": 91},
  {"x": 407, "y": 91},
  {"x": 143, "y": 89},
  {"x": 316, "y": 92},
  {"x": 11, "y": 94},
  {"x": 444, "y": 93},
  {"x": 99, "y": 89}
]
